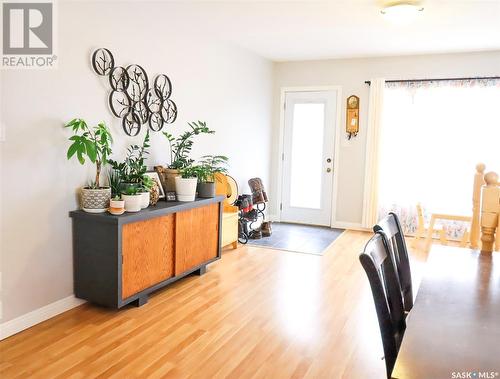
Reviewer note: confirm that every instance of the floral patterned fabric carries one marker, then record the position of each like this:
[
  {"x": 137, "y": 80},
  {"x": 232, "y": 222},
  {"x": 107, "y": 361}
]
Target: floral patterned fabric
[{"x": 409, "y": 221}]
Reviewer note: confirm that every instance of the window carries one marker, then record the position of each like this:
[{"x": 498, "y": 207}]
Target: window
[{"x": 432, "y": 136}]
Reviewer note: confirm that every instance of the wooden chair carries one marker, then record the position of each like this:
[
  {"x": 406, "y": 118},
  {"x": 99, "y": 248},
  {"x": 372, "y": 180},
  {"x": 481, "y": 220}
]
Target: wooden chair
[
  {"x": 490, "y": 213},
  {"x": 229, "y": 212},
  {"x": 391, "y": 228},
  {"x": 423, "y": 228},
  {"x": 381, "y": 274}
]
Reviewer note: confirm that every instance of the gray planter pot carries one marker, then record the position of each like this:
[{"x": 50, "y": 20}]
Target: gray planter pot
[
  {"x": 206, "y": 189},
  {"x": 96, "y": 200}
]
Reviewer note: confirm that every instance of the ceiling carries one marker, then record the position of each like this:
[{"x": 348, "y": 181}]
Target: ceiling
[{"x": 303, "y": 30}]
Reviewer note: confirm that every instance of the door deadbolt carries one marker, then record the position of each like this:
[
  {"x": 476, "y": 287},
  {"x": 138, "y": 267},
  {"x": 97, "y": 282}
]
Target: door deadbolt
[{"x": 328, "y": 160}]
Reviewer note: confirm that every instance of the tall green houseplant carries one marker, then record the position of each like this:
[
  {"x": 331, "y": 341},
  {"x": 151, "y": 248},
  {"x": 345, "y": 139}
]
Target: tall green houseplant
[
  {"x": 180, "y": 147},
  {"x": 91, "y": 142}
]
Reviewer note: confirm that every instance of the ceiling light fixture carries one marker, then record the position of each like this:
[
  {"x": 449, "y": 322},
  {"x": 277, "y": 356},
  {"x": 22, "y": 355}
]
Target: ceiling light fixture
[{"x": 401, "y": 12}]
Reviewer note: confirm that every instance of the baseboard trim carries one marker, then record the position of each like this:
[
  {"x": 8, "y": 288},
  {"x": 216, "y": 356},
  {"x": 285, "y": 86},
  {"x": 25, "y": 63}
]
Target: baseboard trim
[
  {"x": 273, "y": 218},
  {"x": 350, "y": 226},
  {"x": 37, "y": 316}
]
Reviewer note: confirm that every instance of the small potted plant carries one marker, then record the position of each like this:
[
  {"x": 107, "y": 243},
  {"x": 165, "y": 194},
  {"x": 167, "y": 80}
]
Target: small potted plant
[
  {"x": 185, "y": 183},
  {"x": 116, "y": 204},
  {"x": 180, "y": 148},
  {"x": 145, "y": 190},
  {"x": 208, "y": 166},
  {"x": 132, "y": 198},
  {"x": 131, "y": 171},
  {"x": 95, "y": 144}
]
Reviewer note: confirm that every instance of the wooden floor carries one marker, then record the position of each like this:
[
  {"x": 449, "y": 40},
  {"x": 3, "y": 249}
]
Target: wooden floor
[{"x": 257, "y": 313}]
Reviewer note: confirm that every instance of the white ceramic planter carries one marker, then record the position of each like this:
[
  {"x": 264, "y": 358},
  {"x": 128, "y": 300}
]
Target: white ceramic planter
[
  {"x": 144, "y": 199},
  {"x": 116, "y": 207},
  {"x": 96, "y": 200},
  {"x": 132, "y": 202},
  {"x": 185, "y": 189}
]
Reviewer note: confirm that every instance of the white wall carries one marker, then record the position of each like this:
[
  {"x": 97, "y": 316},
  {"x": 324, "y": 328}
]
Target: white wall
[
  {"x": 351, "y": 75},
  {"x": 228, "y": 87}
]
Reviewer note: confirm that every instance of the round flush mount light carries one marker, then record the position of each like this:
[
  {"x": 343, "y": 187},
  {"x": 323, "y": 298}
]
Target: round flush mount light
[{"x": 401, "y": 12}]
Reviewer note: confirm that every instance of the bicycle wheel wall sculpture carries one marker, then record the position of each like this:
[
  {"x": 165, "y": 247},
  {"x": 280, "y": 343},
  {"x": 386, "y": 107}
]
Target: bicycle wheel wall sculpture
[{"x": 133, "y": 97}]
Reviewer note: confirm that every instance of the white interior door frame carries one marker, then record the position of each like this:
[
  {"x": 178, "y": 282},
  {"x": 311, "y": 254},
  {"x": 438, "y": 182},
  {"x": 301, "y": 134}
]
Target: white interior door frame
[{"x": 336, "y": 155}]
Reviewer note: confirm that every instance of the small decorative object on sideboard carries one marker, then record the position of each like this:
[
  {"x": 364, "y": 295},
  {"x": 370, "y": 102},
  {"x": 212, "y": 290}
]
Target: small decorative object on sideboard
[
  {"x": 170, "y": 196},
  {"x": 185, "y": 184},
  {"x": 180, "y": 148},
  {"x": 133, "y": 199},
  {"x": 94, "y": 143},
  {"x": 156, "y": 191},
  {"x": 208, "y": 166},
  {"x": 352, "y": 116}
]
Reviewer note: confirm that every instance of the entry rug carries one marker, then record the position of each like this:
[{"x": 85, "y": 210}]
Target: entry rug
[{"x": 298, "y": 238}]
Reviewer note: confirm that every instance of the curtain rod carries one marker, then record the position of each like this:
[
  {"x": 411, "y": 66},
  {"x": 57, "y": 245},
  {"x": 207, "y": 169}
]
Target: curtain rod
[{"x": 436, "y": 80}]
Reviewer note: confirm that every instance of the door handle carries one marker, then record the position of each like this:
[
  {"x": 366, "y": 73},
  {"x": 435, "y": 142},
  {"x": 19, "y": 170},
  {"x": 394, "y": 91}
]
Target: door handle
[{"x": 328, "y": 169}]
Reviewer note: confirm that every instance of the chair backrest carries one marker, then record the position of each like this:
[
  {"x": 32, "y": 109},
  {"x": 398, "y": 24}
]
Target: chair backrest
[
  {"x": 386, "y": 293},
  {"x": 393, "y": 232},
  {"x": 420, "y": 216}
]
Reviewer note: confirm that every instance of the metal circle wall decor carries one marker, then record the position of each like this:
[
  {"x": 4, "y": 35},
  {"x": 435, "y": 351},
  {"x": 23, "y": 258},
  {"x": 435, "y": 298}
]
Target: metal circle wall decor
[
  {"x": 153, "y": 102},
  {"x": 132, "y": 98},
  {"x": 103, "y": 61},
  {"x": 142, "y": 111},
  {"x": 156, "y": 122},
  {"x": 162, "y": 86},
  {"x": 119, "y": 79},
  {"x": 139, "y": 83},
  {"x": 131, "y": 123},
  {"x": 168, "y": 111},
  {"x": 119, "y": 103}
]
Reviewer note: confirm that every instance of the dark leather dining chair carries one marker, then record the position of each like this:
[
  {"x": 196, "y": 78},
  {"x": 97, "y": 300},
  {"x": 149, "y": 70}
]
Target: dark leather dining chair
[
  {"x": 381, "y": 274},
  {"x": 393, "y": 232}
]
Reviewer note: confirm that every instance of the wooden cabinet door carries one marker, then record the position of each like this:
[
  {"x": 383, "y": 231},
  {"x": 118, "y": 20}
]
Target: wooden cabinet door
[
  {"x": 147, "y": 253},
  {"x": 196, "y": 237}
]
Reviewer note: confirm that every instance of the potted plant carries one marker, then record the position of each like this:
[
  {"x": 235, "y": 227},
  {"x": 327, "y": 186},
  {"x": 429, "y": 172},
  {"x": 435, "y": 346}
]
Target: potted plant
[
  {"x": 185, "y": 183},
  {"x": 132, "y": 198},
  {"x": 132, "y": 170},
  {"x": 116, "y": 206},
  {"x": 95, "y": 144},
  {"x": 208, "y": 166},
  {"x": 180, "y": 148},
  {"x": 114, "y": 182},
  {"x": 145, "y": 190}
]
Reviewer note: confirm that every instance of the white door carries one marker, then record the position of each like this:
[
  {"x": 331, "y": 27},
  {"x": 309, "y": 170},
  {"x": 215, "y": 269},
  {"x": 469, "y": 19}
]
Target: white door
[{"x": 309, "y": 135}]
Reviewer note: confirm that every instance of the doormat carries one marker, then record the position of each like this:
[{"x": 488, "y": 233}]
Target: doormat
[{"x": 307, "y": 239}]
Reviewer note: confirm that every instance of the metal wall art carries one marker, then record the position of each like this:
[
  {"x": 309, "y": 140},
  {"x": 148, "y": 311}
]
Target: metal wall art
[{"x": 133, "y": 98}]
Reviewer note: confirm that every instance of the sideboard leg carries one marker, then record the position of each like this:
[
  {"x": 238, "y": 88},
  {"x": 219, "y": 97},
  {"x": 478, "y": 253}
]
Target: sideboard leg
[
  {"x": 141, "y": 301},
  {"x": 202, "y": 270}
]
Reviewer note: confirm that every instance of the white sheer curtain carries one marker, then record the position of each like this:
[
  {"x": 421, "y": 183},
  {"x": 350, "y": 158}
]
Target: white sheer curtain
[
  {"x": 432, "y": 136},
  {"x": 375, "y": 110}
]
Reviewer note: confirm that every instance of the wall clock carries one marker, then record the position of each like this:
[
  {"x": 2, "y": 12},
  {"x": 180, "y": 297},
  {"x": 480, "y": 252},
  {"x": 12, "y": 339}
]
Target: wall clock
[{"x": 352, "y": 116}]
